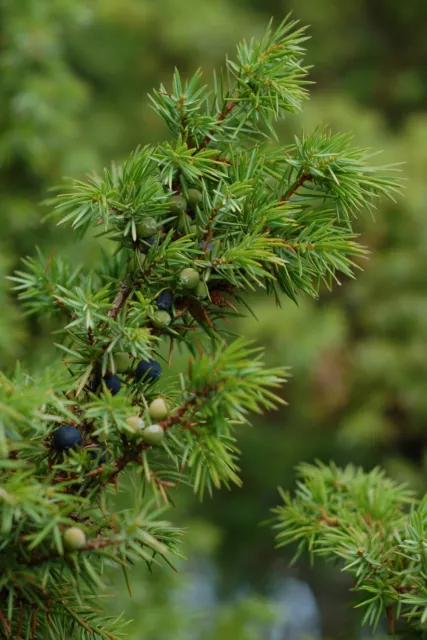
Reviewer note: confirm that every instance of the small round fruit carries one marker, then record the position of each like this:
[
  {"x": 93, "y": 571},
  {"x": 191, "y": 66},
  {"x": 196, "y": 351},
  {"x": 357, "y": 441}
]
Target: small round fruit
[
  {"x": 189, "y": 278},
  {"x": 194, "y": 228},
  {"x": 147, "y": 243},
  {"x": 160, "y": 319},
  {"x": 177, "y": 205},
  {"x": 148, "y": 370},
  {"x": 74, "y": 539},
  {"x": 194, "y": 198},
  {"x": 158, "y": 409},
  {"x": 153, "y": 434},
  {"x": 123, "y": 362},
  {"x": 135, "y": 423},
  {"x": 147, "y": 227},
  {"x": 113, "y": 384},
  {"x": 165, "y": 300},
  {"x": 202, "y": 290},
  {"x": 66, "y": 438},
  {"x": 184, "y": 223}
]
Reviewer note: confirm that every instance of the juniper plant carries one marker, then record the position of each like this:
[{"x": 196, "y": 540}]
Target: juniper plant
[{"x": 198, "y": 223}]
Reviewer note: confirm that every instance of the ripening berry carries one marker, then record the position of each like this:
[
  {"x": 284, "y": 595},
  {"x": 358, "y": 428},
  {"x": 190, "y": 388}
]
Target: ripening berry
[
  {"x": 189, "y": 278},
  {"x": 158, "y": 409},
  {"x": 202, "y": 290},
  {"x": 194, "y": 198},
  {"x": 66, "y": 438},
  {"x": 147, "y": 243},
  {"x": 160, "y": 319},
  {"x": 177, "y": 205},
  {"x": 148, "y": 370},
  {"x": 165, "y": 300},
  {"x": 147, "y": 227},
  {"x": 123, "y": 362},
  {"x": 74, "y": 539},
  {"x": 135, "y": 423},
  {"x": 113, "y": 384},
  {"x": 153, "y": 434}
]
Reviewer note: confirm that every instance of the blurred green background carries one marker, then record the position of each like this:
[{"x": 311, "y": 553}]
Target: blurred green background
[{"x": 74, "y": 76}]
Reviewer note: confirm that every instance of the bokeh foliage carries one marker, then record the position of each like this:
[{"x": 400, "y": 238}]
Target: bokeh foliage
[{"x": 73, "y": 89}]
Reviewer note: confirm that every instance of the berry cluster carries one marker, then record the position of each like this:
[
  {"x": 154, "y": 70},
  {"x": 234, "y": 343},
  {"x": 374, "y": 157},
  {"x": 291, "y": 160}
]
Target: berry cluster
[
  {"x": 182, "y": 213},
  {"x": 189, "y": 283}
]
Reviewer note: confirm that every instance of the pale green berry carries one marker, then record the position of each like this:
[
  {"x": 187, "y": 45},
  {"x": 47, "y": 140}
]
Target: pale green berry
[
  {"x": 177, "y": 205},
  {"x": 158, "y": 409},
  {"x": 146, "y": 228},
  {"x": 160, "y": 319},
  {"x": 123, "y": 362},
  {"x": 202, "y": 290},
  {"x": 136, "y": 424},
  {"x": 194, "y": 198},
  {"x": 189, "y": 278},
  {"x": 194, "y": 228},
  {"x": 184, "y": 223},
  {"x": 74, "y": 539},
  {"x": 153, "y": 434}
]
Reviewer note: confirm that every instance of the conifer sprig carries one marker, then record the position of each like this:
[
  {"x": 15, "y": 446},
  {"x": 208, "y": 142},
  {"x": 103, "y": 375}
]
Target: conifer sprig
[
  {"x": 188, "y": 228},
  {"x": 374, "y": 528}
]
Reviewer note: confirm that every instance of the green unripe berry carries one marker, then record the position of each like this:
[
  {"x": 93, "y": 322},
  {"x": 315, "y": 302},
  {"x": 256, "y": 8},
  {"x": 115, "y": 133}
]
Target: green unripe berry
[
  {"x": 184, "y": 223},
  {"x": 153, "y": 434},
  {"x": 123, "y": 362},
  {"x": 160, "y": 319},
  {"x": 158, "y": 409},
  {"x": 194, "y": 228},
  {"x": 146, "y": 228},
  {"x": 74, "y": 539},
  {"x": 177, "y": 205},
  {"x": 194, "y": 198},
  {"x": 202, "y": 290},
  {"x": 136, "y": 424},
  {"x": 189, "y": 278}
]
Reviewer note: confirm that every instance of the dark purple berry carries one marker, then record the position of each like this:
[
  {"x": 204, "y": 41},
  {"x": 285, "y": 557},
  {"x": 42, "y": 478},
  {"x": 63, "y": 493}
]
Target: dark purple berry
[
  {"x": 165, "y": 300},
  {"x": 147, "y": 243},
  {"x": 66, "y": 438},
  {"x": 95, "y": 384},
  {"x": 148, "y": 370},
  {"x": 113, "y": 384}
]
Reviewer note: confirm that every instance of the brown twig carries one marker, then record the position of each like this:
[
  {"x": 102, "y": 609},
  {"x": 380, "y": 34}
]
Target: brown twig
[
  {"x": 299, "y": 183},
  {"x": 390, "y": 619},
  {"x": 332, "y": 522},
  {"x": 4, "y": 622},
  {"x": 120, "y": 299},
  {"x": 221, "y": 117}
]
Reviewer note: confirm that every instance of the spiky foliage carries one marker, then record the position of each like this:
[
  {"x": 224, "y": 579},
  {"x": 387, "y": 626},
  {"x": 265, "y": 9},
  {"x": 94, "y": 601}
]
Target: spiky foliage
[
  {"x": 230, "y": 216},
  {"x": 374, "y": 529}
]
